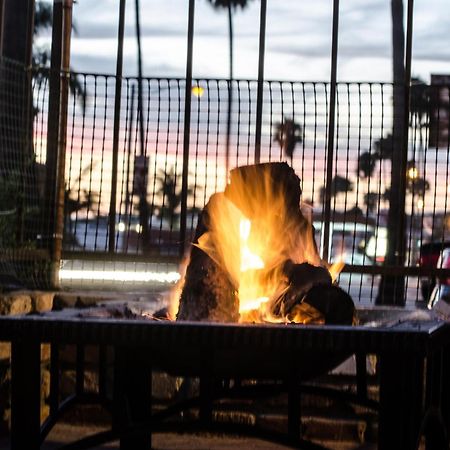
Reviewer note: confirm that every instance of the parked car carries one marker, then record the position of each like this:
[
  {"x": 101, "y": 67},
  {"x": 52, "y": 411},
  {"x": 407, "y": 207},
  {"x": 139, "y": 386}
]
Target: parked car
[
  {"x": 440, "y": 297},
  {"x": 428, "y": 258}
]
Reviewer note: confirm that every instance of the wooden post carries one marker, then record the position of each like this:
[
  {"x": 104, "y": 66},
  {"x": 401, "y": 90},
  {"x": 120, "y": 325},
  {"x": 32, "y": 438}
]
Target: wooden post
[{"x": 62, "y": 139}]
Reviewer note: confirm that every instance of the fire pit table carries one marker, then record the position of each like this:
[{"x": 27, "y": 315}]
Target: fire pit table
[{"x": 413, "y": 371}]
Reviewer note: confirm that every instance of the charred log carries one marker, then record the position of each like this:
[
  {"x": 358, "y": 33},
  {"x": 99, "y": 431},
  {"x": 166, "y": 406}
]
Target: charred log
[
  {"x": 208, "y": 293},
  {"x": 253, "y": 187},
  {"x": 312, "y": 298},
  {"x": 334, "y": 303}
]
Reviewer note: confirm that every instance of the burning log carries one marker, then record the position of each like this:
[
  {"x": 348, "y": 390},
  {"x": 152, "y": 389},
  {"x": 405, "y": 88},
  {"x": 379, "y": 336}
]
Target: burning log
[
  {"x": 208, "y": 293},
  {"x": 254, "y": 256}
]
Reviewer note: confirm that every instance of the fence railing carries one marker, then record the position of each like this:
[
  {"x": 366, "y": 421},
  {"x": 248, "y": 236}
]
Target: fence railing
[{"x": 294, "y": 128}]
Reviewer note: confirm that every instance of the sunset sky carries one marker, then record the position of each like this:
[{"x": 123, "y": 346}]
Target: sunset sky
[
  {"x": 297, "y": 46},
  {"x": 298, "y": 43}
]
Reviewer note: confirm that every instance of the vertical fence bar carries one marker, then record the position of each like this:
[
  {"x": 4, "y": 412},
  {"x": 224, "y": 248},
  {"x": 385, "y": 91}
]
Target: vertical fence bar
[
  {"x": 331, "y": 127},
  {"x": 2, "y": 15},
  {"x": 48, "y": 213},
  {"x": 187, "y": 127},
  {"x": 260, "y": 88},
  {"x": 230, "y": 90},
  {"x": 404, "y": 159},
  {"x": 62, "y": 139},
  {"x": 143, "y": 204},
  {"x": 115, "y": 150}
]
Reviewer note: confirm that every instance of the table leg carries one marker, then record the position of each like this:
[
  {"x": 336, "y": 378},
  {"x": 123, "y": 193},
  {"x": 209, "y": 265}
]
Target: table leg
[
  {"x": 25, "y": 394},
  {"x": 294, "y": 409},
  {"x": 401, "y": 397},
  {"x": 132, "y": 397}
]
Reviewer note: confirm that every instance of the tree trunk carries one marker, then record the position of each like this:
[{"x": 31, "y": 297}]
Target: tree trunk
[{"x": 391, "y": 290}]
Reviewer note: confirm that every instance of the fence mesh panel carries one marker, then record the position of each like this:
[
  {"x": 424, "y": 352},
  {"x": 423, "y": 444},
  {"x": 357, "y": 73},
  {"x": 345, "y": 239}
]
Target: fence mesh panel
[
  {"x": 22, "y": 261},
  {"x": 150, "y": 159}
]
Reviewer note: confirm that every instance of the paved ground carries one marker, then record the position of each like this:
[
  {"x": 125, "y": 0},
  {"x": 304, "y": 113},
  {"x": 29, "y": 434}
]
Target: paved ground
[{"x": 64, "y": 433}]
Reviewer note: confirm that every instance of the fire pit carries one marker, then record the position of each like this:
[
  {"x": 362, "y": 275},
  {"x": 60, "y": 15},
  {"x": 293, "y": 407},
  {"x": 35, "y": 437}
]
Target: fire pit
[
  {"x": 412, "y": 400},
  {"x": 255, "y": 260},
  {"x": 257, "y": 303}
]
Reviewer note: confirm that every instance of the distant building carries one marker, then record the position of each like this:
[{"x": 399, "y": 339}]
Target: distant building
[{"x": 439, "y": 111}]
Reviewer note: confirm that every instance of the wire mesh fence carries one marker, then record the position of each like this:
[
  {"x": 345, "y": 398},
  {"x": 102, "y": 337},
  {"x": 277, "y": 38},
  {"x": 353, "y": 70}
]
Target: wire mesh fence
[
  {"x": 147, "y": 184},
  {"x": 21, "y": 258}
]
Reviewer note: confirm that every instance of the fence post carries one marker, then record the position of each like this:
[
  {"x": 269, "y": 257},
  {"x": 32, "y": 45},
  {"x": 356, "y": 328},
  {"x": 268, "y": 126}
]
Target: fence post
[
  {"x": 54, "y": 166},
  {"x": 392, "y": 287},
  {"x": 116, "y": 131},
  {"x": 187, "y": 128},
  {"x": 331, "y": 128},
  {"x": 260, "y": 87},
  {"x": 62, "y": 139}
]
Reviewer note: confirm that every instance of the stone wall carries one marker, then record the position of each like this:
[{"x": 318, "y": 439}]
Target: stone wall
[{"x": 22, "y": 302}]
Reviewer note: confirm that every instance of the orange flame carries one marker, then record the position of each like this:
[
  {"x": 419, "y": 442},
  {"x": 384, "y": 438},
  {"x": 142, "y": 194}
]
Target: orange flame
[{"x": 252, "y": 231}]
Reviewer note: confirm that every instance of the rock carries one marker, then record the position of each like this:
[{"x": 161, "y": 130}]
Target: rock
[
  {"x": 164, "y": 386},
  {"x": 42, "y": 301},
  {"x": 5, "y": 350},
  {"x": 45, "y": 412},
  {"x": 62, "y": 300},
  {"x": 5, "y": 421},
  {"x": 15, "y": 303},
  {"x": 45, "y": 384}
]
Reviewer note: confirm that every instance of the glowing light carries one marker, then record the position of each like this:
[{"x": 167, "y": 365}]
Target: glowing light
[
  {"x": 119, "y": 276},
  {"x": 413, "y": 173},
  {"x": 197, "y": 91},
  {"x": 121, "y": 227},
  {"x": 420, "y": 203},
  {"x": 138, "y": 228}
]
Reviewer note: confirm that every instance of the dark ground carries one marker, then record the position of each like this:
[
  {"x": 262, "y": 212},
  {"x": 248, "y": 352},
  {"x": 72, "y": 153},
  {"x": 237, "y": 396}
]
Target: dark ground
[{"x": 64, "y": 433}]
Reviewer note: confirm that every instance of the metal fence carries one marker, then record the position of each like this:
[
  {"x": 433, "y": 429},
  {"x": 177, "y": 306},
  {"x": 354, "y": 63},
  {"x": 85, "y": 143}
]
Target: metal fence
[
  {"x": 148, "y": 175},
  {"x": 144, "y": 224}
]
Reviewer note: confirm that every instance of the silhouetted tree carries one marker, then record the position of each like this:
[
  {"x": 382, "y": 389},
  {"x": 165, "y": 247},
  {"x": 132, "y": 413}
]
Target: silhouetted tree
[
  {"x": 288, "y": 134},
  {"x": 367, "y": 162},
  {"x": 77, "y": 199},
  {"x": 339, "y": 185},
  {"x": 371, "y": 200},
  {"x": 230, "y": 6},
  {"x": 169, "y": 188}
]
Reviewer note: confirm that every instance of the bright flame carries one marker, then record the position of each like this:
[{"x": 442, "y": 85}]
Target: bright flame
[
  {"x": 249, "y": 260},
  {"x": 336, "y": 268}
]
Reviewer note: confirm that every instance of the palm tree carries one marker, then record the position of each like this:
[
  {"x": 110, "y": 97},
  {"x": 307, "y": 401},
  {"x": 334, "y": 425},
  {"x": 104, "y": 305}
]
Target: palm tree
[
  {"x": 288, "y": 134},
  {"x": 367, "y": 162},
  {"x": 230, "y": 6},
  {"x": 43, "y": 19},
  {"x": 169, "y": 189},
  {"x": 339, "y": 185},
  {"x": 75, "y": 200}
]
